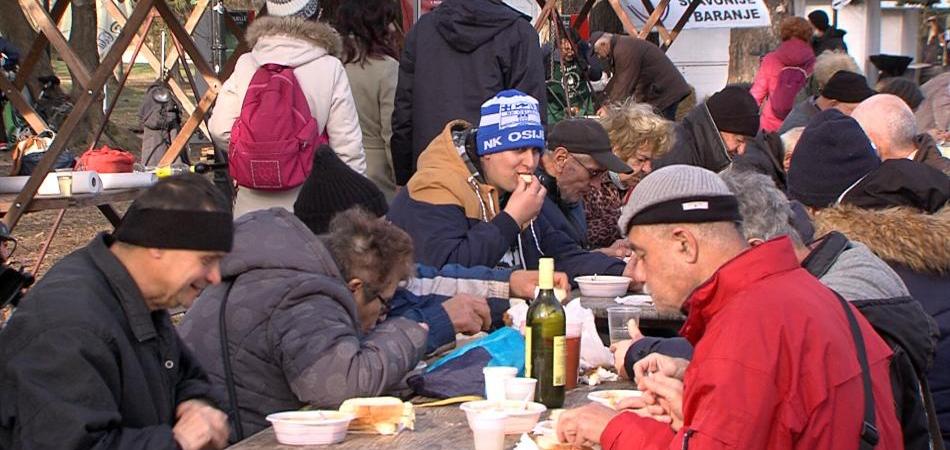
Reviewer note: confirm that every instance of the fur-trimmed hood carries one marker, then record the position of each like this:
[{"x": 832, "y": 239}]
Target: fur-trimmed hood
[
  {"x": 896, "y": 235},
  {"x": 313, "y": 32}
]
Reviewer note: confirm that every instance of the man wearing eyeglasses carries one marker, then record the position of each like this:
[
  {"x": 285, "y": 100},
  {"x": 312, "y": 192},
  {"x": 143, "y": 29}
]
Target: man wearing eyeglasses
[{"x": 578, "y": 156}]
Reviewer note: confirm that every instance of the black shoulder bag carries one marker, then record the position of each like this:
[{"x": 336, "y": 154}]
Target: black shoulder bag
[
  {"x": 869, "y": 433},
  {"x": 235, "y": 413}
]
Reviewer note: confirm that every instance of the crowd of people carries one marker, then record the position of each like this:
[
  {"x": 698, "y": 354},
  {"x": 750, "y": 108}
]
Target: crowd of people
[{"x": 799, "y": 222}]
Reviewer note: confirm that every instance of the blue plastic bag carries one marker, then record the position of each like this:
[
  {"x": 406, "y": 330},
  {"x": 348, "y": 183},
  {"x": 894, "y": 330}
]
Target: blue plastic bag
[
  {"x": 460, "y": 372},
  {"x": 506, "y": 347}
]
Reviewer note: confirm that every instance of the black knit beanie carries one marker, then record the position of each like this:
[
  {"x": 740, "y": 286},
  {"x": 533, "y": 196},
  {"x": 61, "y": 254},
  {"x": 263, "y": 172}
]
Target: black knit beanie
[
  {"x": 832, "y": 154},
  {"x": 734, "y": 110},
  {"x": 847, "y": 87},
  {"x": 819, "y": 19},
  {"x": 333, "y": 187},
  {"x": 906, "y": 89}
]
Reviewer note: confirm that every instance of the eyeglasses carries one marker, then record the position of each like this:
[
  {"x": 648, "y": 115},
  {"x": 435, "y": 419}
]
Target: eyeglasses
[{"x": 594, "y": 174}]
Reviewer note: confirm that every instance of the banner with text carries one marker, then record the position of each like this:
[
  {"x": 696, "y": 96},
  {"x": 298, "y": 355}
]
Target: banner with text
[{"x": 709, "y": 14}]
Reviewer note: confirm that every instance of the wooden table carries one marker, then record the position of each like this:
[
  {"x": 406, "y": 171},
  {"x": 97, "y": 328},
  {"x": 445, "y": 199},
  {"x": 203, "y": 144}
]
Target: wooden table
[{"x": 437, "y": 428}]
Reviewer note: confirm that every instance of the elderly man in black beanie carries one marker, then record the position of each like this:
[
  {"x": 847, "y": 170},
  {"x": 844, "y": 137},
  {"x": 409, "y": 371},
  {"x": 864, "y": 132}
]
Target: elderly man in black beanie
[
  {"x": 843, "y": 91},
  {"x": 716, "y": 131},
  {"x": 90, "y": 358}
]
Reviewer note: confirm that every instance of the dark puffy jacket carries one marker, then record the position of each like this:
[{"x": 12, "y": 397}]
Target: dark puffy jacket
[
  {"x": 833, "y": 39},
  {"x": 697, "y": 143},
  {"x": 915, "y": 245},
  {"x": 764, "y": 154},
  {"x": 85, "y": 364},
  {"x": 459, "y": 55},
  {"x": 294, "y": 335}
]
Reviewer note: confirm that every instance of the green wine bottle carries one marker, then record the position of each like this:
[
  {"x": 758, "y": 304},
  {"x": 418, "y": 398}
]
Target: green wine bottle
[{"x": 545, "y": 343}]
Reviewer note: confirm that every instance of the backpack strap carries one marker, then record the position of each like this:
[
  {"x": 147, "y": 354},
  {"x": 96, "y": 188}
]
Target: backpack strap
[
  {"x": 823, "y": 256},
  {"x": 869, "y": 433},
  {"x": 936, "y": 438},
  {"x": 235, "y": 413}
]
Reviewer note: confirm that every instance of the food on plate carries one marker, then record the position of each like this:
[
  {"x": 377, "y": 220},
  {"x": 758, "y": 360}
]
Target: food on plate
[
  {"x": 550, "y": 442},
  {"x": 383, "y": 415},
  {"x": 611, "y": 398}
]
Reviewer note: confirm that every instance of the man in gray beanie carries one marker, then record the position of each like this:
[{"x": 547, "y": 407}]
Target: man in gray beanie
[{"x": 763, "y": 328}]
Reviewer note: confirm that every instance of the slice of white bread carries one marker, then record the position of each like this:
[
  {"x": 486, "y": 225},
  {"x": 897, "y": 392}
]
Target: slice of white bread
[{"x": 383, "y": 415}]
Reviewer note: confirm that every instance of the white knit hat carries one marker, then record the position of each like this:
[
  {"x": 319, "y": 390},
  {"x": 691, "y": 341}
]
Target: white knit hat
[
  {"x": 679, "y": 194},
  {"x": 292, "y": 8}
]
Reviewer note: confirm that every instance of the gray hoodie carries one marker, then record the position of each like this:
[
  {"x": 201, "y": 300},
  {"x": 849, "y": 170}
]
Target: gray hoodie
[{"x": 293, "y": 332}]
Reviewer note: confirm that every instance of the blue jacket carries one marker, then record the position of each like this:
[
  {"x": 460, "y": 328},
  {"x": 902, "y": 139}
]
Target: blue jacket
[
  {"x": 455, "y": 219},
  {"x": 422, "y": 297},
  {"x": 567, "y": 218}
]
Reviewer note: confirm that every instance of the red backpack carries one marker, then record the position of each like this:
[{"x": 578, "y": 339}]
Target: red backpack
[
  {"x": 106, "y": 160},
  {"x": 275, "y": 137},
  {"x": 791, "y": 79}
]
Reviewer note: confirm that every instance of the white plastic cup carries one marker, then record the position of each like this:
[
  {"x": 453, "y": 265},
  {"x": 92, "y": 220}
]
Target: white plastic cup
[
  {"x": 488, "y": 430},
  {"x": 495, "y": 379},
  {"x": 520, "y": 389}
]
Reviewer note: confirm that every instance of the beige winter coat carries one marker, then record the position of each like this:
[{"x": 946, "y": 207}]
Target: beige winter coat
[
  {"x": 374, "y": 89},
  {"x": 312, "y": 48}
]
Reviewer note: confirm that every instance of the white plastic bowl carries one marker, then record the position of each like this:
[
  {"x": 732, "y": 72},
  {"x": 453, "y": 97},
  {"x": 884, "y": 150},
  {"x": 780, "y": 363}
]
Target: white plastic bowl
[
  {"x": 518, "y": 421},
  {"x": 610, "y": 398},
  {"x": 603, "y": 285},
  {"x": 310, "y": 427}
]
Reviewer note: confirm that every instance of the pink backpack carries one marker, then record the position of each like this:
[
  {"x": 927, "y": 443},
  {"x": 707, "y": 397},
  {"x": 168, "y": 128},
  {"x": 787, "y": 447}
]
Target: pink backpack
[
  {"x": 275, "y": 137},
  {"x": 791, "y": 79}
]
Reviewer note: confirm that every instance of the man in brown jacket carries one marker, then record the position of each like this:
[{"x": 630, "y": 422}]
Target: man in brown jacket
[{"x": 640, "y": 70}]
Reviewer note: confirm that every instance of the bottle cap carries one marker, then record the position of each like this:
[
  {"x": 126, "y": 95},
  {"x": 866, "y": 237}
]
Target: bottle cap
[{"x": 546, "y": 273}]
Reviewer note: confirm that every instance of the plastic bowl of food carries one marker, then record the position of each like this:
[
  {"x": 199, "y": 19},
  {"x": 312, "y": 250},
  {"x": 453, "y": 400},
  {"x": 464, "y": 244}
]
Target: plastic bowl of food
[
  {"x": 310, "y": 427},
  {"x": 522, "y": 416},
  {"x": 611, "y": 398},
  {"x": 603, "y": 285}
]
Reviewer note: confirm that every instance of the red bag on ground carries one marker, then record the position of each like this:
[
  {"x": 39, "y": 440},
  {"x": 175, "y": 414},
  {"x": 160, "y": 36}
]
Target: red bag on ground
[{"x": 106, "y": 160}]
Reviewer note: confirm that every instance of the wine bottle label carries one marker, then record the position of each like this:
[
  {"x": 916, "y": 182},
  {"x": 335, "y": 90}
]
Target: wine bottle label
[
  {"x": 527, "y": 351},
  {"x": 560, "y": 352}
]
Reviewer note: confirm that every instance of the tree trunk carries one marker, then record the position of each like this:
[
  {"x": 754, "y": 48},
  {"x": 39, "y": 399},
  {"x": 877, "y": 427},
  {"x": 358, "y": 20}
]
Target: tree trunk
[
  {"x": 747, "y": 46},
  {"x": 17, "y": 29},
  {"x": 82, "y": 39}
]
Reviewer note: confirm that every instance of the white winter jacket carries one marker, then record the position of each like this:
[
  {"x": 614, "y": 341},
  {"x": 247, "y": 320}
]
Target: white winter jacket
[{"x": 312, "y": 48}]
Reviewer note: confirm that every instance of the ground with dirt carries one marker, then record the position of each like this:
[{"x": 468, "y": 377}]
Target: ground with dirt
[{"x": 80, "y": 225}]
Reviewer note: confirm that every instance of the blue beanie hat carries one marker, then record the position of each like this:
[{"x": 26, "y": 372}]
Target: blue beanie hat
[
  {"x": 508, "y": 121},
  {"x": 832, "y": 154}
]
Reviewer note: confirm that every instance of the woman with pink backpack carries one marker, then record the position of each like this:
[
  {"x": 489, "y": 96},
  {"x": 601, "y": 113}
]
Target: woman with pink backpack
[
  {"x": 286, "y": 97},
  {"x": 783, "y": 73}
]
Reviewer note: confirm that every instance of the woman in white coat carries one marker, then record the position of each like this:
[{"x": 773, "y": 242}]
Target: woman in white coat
[{"x": 290, "y": 35}]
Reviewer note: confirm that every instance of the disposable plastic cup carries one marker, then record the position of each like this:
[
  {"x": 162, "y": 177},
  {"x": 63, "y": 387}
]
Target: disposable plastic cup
[
  {"x": 488, "y": 430},
  {"x": 573, "y": 362},
  {"x": 617, "y": 319},
  {"x": 520, "y": 389},
  {"x": 65, "y": 184},
  {"x": 495, "y": 379}
]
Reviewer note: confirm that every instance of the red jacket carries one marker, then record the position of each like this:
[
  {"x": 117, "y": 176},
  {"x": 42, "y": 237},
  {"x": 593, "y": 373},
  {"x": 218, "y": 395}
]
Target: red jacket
[
  {"x": 774, "y": 366},
  {"x": 792, "y": 53}
]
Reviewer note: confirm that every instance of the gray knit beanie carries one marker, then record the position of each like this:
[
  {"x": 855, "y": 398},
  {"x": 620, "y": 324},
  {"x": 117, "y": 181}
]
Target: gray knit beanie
[{"x": 679, "y": 194}]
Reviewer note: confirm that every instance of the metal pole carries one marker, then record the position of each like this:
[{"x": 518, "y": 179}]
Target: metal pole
[
  {"x": 217, "y": 36},
  {"x": 418, "y": 10}
]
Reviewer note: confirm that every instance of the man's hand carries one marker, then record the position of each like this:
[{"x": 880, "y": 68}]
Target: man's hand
[
  {"x": 620, "y": 348},
  {"x": 199, "y": 426},
  {"x": 584, "y": 425},
  {"x": 668, "y": 393},
  {"x": 522, "y": 283},
  {"x": 469, "y": 314},
  {"x": 526, "y": 201},
  {"x": 619, "y": 249},
  {"x": 644, "y": 406},
  {"x": 656, "y": 363}
]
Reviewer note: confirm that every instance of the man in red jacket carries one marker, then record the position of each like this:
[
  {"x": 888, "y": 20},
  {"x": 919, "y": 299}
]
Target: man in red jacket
[{"x": 775, "y": 364}]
